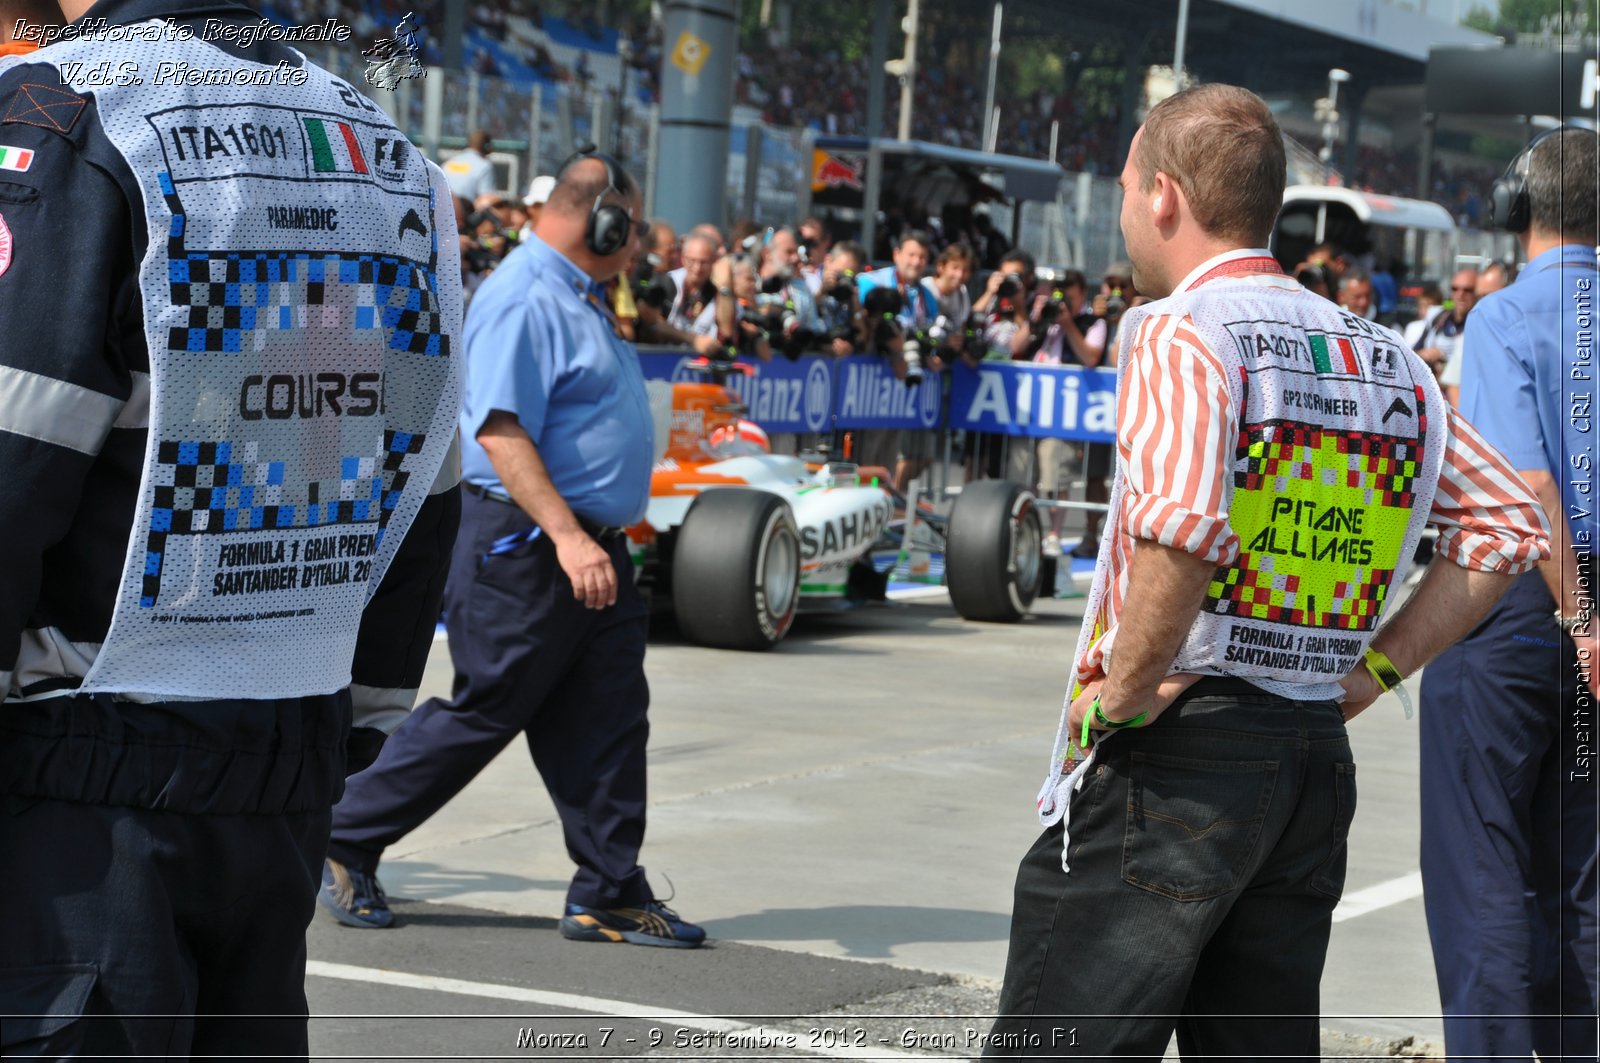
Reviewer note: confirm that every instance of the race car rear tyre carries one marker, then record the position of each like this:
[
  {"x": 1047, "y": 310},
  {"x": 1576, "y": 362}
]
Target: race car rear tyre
[
  {"x": 994, "y": 551},
  {"x": 736, "y": 570}
]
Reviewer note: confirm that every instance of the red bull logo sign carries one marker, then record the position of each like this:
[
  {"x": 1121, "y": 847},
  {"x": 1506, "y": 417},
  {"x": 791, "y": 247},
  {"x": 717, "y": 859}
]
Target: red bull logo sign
[{"x": 830, "y": 171}]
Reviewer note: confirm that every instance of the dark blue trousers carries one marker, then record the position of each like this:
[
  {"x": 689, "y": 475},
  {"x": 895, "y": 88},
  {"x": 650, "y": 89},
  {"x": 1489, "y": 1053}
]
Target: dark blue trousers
[
  {"x": 529, "y": 660},
  {"x": 131, "y": 933},
  {"x": 1509, "y": 836},
  {"x": 1207, "y": 854}
]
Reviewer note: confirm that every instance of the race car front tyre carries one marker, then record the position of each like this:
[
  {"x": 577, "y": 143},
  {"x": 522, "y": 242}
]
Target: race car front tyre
[
  {"x": 994, "y": 551},
  {"x": 736, "y": 570}
]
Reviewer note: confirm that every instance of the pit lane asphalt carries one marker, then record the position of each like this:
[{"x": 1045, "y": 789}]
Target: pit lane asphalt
[{"x": 844, "y": 815}]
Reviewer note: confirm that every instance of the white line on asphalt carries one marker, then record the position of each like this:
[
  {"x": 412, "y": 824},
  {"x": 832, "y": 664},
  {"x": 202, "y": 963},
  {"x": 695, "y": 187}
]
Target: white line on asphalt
[
  {"x": 593, "y": 1005},
  {"x": 1384, "y": 894}
]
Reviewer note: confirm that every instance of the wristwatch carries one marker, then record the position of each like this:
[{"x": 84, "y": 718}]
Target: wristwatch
[
  {"x": 725, "y": 292},
  {"x": 1569, "y": 624}
]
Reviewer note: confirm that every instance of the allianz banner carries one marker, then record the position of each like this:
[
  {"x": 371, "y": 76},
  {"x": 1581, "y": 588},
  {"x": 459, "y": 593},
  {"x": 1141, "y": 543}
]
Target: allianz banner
[
  {"x": 869, "y": 395},
  {"x": 1025, "y": 399},
  {"x": 783, "y": 395}
]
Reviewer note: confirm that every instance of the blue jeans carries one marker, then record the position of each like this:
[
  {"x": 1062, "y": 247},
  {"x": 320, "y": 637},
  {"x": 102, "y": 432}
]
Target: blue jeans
[{"x": 1207, "y": 854}]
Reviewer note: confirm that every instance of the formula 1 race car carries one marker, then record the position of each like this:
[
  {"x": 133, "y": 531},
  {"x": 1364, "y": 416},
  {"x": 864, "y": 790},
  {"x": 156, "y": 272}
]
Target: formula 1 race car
[{"x": 738, "y": 540}]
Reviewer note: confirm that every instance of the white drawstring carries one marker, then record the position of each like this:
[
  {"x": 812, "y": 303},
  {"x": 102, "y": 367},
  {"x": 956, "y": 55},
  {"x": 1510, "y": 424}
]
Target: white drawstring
[{"x": 1072, "y": 784}]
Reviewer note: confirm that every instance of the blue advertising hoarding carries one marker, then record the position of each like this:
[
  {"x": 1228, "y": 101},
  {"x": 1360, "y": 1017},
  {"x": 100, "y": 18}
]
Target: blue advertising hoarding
[
  {"x": 783, "y": 395},
  {"x": 818, "y": 394},
  {"x": 869, "y": 395},
  {"x": 1025, "y": 399}
]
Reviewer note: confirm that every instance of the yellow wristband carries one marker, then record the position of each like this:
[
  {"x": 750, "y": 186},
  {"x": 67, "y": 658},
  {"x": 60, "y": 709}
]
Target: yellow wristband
[{"x": 1382, "y": 669}]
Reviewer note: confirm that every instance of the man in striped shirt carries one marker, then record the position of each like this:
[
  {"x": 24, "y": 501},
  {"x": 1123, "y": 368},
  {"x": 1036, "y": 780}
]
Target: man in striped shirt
[{"x": 1277, "y": 460}]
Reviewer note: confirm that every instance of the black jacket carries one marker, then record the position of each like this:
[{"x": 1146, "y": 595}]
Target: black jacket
[{"x": 74, "y": 418}]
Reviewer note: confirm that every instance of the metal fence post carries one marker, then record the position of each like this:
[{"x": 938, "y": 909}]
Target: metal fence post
[
  {"x": 473, "y": 88},
  {"x": 754, "y": 136}
]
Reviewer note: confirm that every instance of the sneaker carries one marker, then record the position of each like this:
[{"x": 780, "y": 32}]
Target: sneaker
[
  {"x": 1052, "y": 546},
  {"x": 353, "y": 897},
  {"x": 1087, "y": 548},
  {"x": 652, "y": 924}
]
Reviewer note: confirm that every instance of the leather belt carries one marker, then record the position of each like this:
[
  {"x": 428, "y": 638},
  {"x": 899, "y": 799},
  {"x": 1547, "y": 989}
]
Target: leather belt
[{"x": 599, "y": 532}]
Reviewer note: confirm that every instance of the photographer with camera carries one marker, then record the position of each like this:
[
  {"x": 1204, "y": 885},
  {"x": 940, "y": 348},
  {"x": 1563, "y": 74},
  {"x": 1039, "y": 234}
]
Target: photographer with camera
[
  {"x": 730, "y": 318},
  {"x": 898, "y": 311},
  {"x": 671, "y": 303},
  {"x": 948, "y": 286},
  {"x": 1004, "y": 306},
  {"x": 1071, "y": 335},
  {"x": 838, "y": 304},
  {"x": 785, "y": 305},
  {"x": 1002, "y": 333},
  {"x": 815, "y": 245}
]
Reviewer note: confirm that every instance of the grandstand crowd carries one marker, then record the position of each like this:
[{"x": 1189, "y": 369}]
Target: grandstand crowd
[{"x": 795, "y": 83}]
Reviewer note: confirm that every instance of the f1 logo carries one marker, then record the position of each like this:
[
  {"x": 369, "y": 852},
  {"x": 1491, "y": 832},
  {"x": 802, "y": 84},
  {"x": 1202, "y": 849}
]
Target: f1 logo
[{"x": 390, "y": 152}]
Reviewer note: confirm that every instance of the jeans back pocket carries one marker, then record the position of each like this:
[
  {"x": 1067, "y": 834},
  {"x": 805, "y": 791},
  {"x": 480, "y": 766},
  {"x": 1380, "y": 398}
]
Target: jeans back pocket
[
  {"x": 1329, "y": 878},
  {"x": 1193, "y": 824}
]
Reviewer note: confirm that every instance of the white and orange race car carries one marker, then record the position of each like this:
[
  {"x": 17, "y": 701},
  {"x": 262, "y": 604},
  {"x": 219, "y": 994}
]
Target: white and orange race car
[{"x": 737, "y": 540}]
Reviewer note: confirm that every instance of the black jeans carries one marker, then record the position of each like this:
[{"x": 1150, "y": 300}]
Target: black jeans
[{"x": 1207, "y": 854}]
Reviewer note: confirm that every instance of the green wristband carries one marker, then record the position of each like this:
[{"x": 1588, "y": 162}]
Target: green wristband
[{"x": 1116, "y": 725}]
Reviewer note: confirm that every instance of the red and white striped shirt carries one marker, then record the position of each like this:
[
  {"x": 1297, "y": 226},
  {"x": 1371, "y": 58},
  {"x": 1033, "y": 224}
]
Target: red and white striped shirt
[{"x": 1177, "y": 432}]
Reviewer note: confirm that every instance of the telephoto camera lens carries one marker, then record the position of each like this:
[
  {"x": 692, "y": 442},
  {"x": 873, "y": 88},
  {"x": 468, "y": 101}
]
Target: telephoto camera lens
[{"x": 911, "y": 351}]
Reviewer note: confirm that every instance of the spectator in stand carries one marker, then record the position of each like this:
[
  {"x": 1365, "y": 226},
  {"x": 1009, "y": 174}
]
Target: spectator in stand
[
  {"x": 676, "y": 299},
  {"x": 1442, "y": 338},
  {"x": 1355, "y": 294},
  {"x": 470, "y": 172}
]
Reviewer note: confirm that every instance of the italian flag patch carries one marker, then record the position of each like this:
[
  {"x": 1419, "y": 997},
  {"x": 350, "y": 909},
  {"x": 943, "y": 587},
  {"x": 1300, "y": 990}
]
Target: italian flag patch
[
  {"x": 1335, "y": 355},
  {"x": 18, "y": 159},
  {"x": 334, "y": 148}
]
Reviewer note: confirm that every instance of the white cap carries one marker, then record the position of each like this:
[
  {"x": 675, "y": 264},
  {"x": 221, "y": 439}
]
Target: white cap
[{"x": 539, "y": 190}]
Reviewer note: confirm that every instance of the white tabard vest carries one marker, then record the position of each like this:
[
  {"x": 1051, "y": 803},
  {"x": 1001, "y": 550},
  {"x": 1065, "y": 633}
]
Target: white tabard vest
[
  {"x": 302, "y": 308},
  {"x": 1340, "y": 446}
]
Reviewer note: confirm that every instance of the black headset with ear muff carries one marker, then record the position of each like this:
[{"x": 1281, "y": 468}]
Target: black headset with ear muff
[
  {"x": 609, "y": 225},
  {"x": 1509, "y": 208}
]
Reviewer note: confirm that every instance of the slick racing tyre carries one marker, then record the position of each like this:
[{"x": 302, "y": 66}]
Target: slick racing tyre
[
  {"x": 994, "y": 556},
  {"x": 736, "y": 570}
]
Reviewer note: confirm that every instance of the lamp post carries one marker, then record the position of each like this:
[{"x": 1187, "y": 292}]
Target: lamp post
[{"x": 1327, "y": 111}]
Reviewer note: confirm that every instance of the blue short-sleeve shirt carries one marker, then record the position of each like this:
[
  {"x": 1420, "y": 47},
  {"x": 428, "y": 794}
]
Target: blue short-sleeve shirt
[
  {"x": 1528, "y": 377},
  {"x": 539, "y": 345}
]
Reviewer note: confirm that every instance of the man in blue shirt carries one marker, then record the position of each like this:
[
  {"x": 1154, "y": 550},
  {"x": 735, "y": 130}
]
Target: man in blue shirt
[
  {"x": 1509, "y": 829},
  {"x": 547, "y": 630}
]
